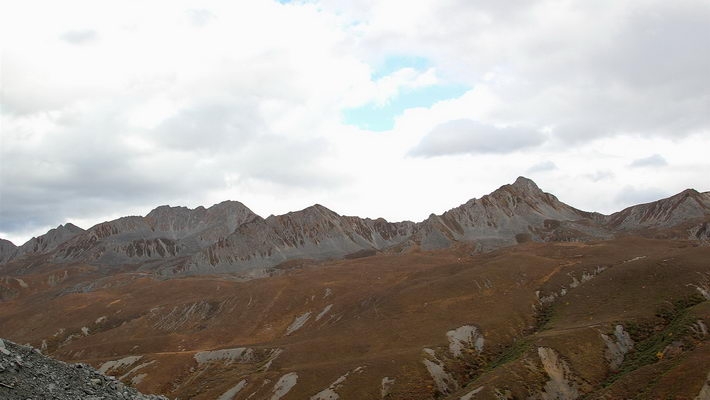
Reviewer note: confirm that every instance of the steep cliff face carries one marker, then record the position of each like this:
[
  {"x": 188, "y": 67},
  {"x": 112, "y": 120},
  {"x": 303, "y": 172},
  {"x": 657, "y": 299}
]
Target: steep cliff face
[
  {"x": 313, "y": 233},
  {"x": 511, "y": 214},
  {"x": 686, "y": 205}
]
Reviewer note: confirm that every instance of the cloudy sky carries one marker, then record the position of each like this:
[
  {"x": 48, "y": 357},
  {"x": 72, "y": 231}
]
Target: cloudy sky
[{"x": 370, "y": 107}]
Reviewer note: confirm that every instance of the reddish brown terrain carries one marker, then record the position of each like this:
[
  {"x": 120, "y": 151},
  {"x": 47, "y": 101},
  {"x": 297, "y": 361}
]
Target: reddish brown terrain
[{"x": 584, "y": 306}]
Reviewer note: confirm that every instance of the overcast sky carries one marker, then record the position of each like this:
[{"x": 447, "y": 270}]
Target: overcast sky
[{"x": 370, "y": 107}]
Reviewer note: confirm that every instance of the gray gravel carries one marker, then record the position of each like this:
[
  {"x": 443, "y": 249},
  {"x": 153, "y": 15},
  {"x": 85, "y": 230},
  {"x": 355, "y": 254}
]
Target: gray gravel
[{"x": 27, "y": 374}]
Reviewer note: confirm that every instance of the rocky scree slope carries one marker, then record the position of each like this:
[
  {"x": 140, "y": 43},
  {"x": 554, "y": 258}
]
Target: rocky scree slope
[{"x": 27, "y": 374}]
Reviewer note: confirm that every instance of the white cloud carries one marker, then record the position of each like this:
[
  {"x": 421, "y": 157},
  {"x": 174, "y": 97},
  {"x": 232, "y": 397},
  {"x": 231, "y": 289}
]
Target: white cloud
[
  {"x": 467, "y": 136},
  {"x": 113, "y": 108}
]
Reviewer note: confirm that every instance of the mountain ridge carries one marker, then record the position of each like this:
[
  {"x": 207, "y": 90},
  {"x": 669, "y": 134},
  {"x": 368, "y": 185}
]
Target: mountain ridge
[{"x": 229, "y": 237}]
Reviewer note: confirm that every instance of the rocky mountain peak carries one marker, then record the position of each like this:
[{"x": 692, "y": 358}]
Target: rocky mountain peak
[
  {"x": 686, "y": 205},
  {"x": 316, "y": 209},
  {"x": 228, "y": 206},
  {"x": 163, "y": 234},
  {"x": 509, "y": 214},
  {"x": 49, "y": 241},
  {"x": 68, "y": 227},
  {"x": 315, "y": 214},
  {"x": 525, "y": 183},
  {"x": 322, "y": 210},
  {"x": 166, "y": 211},
  {"x": 522, "y": 187},
  {"x": 71, "y": 227}
]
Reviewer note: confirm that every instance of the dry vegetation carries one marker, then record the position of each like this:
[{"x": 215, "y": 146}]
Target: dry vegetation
[{"x": 541, "y": 309}]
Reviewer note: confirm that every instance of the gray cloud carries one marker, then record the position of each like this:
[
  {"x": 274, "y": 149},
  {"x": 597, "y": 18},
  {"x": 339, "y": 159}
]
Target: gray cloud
[
  {"x": 215, "y": 127},
  {"x": 543, "y": 166},
  {"x": 200, "y": 17},
  {"x": 468, "y": 136},
  {"x": 581, "y": 70},
  {"x": 639, "y": 68},
  {"x": 88, "y": 167},
  {"x": 655, "y": 160},
  {"x": 600, "y": 175},
  {"x": 630, "y": 195},
  {"x": 82, "y": 36},
  {"x": 288, "y": 162}
]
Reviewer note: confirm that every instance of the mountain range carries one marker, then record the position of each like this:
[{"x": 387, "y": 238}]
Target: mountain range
[
  {"x": 228, "y": 237},
  {"x": 515, "y": 295}
]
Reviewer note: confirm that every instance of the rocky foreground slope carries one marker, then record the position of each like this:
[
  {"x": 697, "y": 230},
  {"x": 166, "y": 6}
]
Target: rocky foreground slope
[{"x": 26, "y": 374}]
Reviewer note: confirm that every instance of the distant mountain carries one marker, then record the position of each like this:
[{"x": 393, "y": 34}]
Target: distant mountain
[
  {"x": 684, "y": 206},
  {"x": 511, "y": 214},
  {"x": 315, "y": 233},
  {"x": 50, "y": 240},
  {"x": 39, "y": 245},
  {"x": 229, "y": 237},
  {"x": 166, "y": 232}
]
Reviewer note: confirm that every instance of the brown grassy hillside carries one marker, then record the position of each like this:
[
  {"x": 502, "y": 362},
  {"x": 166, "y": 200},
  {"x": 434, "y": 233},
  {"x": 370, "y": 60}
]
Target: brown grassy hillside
[{"x": 537, "y": 320}]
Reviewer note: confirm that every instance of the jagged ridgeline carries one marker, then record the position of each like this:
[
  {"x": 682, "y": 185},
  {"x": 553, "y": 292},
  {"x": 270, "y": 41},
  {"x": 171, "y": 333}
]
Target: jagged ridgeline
[{"x": 229, "y": 237}]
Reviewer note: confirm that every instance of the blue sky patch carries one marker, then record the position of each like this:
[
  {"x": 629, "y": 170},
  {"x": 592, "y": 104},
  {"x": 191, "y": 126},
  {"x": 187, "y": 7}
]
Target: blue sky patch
[
  {"x": 381, "y": 118},
  {"x": 395, "y": 63},
  {"x": 376, "y": 117}
]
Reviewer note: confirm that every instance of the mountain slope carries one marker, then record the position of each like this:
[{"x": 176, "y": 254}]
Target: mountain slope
[
  {"x": 165, "y": 233},
  {"x": 50, "y": 240},
  {"x": 39, "y": 245},
  {"x": 682, "y": 207},
  {"x": 312, "y": 233},
  {"x": 535, "y": 321},
  {"x": 511, "y": 214}
]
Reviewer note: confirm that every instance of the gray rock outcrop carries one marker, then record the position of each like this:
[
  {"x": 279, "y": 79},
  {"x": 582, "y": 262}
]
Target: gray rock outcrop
[{"x": 27, "y": 374}]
